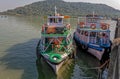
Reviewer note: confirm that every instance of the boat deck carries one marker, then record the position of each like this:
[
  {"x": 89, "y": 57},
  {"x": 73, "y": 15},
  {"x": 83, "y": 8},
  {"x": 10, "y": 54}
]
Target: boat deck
[
  {"x": 95, "y": 30},
  {"x": 65, "y": 34}
]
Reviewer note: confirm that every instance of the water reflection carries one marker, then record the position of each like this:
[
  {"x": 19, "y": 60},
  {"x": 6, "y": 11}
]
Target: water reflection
[
  {"x": 83, "y": 62},
  {"x": 3, "y": 16},
  {"x": 71, "y": 69},
  {"x": 46, "y": 72},
  {"x": 18, "y": 56},
  {"x": 19, "y": 61}
]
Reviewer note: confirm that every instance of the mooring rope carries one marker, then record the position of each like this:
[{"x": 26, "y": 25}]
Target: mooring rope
[
  {"x": 106, "y": 63},
  {"x": 99, "y": 69}
]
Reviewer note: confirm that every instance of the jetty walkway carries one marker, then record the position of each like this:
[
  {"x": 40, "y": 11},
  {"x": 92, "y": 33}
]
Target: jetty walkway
[{"x": 114, "y": 65}]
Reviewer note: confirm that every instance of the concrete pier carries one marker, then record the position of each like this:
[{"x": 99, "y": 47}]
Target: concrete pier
[{"x": 114, "y": 65}]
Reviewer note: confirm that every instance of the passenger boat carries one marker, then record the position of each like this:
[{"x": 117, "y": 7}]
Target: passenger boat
[
  {"x": 56, "y": 43},
  {"x": 93, "y": 35}
]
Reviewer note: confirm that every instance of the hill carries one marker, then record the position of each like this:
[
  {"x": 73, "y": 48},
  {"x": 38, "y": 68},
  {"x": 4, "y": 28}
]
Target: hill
[{"x": 69, "y": 8}]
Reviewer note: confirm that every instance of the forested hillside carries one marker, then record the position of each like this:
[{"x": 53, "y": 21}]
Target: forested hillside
[{"x": 68, "y": 8}]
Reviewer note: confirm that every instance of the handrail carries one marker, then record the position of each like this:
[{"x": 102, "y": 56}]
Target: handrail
[{"x": 116, "y": 42}]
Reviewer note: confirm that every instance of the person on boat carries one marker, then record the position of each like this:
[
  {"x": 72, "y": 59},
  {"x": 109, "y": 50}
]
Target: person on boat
[
  {"x": 82, "y": 35},
  {"x": 92, "y": 37},
  {"x": 60, "y": 20},
  {"x": 86, "y": 37},
  {"x": 51, "y": 20},
  {"x": 103, "y": 39},
  {"x": 97, "y": 37}
]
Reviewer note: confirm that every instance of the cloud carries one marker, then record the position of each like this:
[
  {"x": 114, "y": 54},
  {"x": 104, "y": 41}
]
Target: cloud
[{"x": 11, "y": 4}]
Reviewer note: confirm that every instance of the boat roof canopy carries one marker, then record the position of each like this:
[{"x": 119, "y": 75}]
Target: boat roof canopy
[
  {"x": 58, "y": 16},
  {"x": 95, "y": 30},
  {"x": 91, "y": 15},
  {"x": 55, "y": 16},
  {"x": 94, "y": 16}
]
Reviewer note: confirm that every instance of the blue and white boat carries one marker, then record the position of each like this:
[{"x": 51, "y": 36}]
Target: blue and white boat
[{"x": 93, "y": 35}]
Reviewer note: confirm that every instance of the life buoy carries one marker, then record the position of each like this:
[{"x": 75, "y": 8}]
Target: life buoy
[
  {"x": 55, "y": 58},
  {"x": 93, "y": 26},
  {"x": 82, "y": 24},
  {"x": 68, "y": 26},
  {"x": 104, "y": 26},
  {"x": 51, "y": 29},
  {"x": 84, "y": 47}
]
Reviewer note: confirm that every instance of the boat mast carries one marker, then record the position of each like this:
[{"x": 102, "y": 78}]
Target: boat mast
[
  {"x": 93, "y": 13},
  {"x": 55, "y": 10}
]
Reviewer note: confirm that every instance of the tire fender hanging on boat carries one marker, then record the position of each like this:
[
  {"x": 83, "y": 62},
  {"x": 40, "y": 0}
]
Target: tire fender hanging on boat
[
  {"x": 84, "y": 47},
  {"x": 82, "y": 24},
  {"x": 68, "y": 26},
  {"x": 93, "y": 26},
  {"x": 104, "y": 26},
  {"x": 108, "y": 49},
  {"x": 55, "y": 58}
]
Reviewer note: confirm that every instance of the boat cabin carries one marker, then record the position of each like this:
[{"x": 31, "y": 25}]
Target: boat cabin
[
  {"x": 56, "y": 33},
  {"x": 56, "y": 24},
  {"x": 55, "y": 19},
  {"x": 92, "y": 30},
  {"x": 56, "y": 43}
]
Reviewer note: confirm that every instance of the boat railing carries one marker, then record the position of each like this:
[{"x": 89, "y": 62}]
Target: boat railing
[
  {"x": 93, "y": 23},
  {"x": 94, "y": 37},
  {"x": 101, "y": 71},
  {"x": 53, "y": 43},
  {"x": 55, "y": 29}
]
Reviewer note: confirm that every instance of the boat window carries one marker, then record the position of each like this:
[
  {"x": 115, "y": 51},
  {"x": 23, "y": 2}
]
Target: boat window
[
  {"x": 92, "y": 34},
  {"x": 82, "y": 33},
  {"x": 92, "y": 20},
  {"x": 78, "y": 30},
  {"x": 98, "y": 36},
  {"x": 51, "y": 20},
  {"x": 103, "y": 34},
  {"x": 55, "y": 20},
  {"x": 86, "y": 33},
  {"x": 92, "y": 38},
  {"x": 105, "y": 38},
  {"x": 60, "y": 20}
]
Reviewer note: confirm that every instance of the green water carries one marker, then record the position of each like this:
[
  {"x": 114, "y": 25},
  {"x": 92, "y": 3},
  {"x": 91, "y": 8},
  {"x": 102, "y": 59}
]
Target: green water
[{"x": 18, "y": 40}]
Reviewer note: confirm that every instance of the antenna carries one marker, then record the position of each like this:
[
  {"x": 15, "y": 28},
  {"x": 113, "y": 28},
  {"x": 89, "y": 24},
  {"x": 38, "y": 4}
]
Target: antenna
[
  {"x": 55, "y": 10},
  {"x": 93, "y": 13}
]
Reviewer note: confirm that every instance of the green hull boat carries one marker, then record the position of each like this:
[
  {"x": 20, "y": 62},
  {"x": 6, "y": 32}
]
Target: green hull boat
[{"x": 56, "y": 43}]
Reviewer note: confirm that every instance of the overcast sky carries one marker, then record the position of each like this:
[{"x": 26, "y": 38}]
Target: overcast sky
[{"x": 11, "y": 4}]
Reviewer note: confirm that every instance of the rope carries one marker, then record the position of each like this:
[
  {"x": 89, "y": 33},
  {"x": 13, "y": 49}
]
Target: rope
[
  {"x": 106, "y": 63},
  {"x": 98, "y": 68}
]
